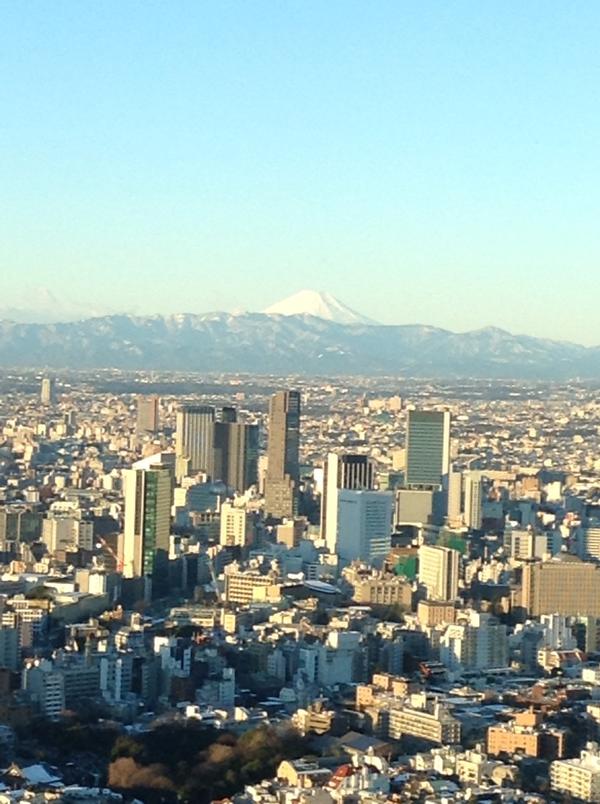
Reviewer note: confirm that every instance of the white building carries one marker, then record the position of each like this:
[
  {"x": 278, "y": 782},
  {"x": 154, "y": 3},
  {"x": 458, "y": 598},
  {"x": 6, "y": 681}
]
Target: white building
[
  {"x": 235, "y": 526},
  {"x": 364, "y": 525},
  {"x": 473, "y": 501},
  {"x": 578, "y": 777},
  {"x": 438, "y": 571}
]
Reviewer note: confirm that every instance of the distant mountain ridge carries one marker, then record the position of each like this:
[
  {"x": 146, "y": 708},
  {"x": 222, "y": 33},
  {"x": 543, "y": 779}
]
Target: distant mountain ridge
[{"x": 263, "y": 343}]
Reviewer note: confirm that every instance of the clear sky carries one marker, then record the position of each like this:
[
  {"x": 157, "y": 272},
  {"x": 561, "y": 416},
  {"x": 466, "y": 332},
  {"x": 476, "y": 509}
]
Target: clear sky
[{"x": 433, "y": 162}]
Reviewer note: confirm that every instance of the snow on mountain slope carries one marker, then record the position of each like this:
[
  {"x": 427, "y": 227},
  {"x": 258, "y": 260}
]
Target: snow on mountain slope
[{"x": 321, "y": 305}]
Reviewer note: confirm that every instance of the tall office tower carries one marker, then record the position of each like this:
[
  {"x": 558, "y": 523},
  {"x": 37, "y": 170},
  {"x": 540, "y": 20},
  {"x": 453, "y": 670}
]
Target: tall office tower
[
  {"x": 235, "y": 459},
  {"x": 194, "y": 440},
  {"x": 47, "y": 391},
  {"x": 364, "y": 525},
  {"x": 427, "y": 448},
  {"x": 341, "y": 472},
  {"x": 283, "y": 471},
  {"x": 242, "y": 468},
  {"x": 473, "y": 501},
  {"x": 147, "y": 414},
  {"x": 148, "y": 495},
  {"x": 235, "y": 526},
  {"x": 438, "y": 571}
]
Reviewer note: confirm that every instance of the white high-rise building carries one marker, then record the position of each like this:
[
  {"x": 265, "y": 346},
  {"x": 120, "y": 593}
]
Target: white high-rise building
[
  {"x": 438, "y": 571},
  {"x": 364, "y": 525},
  {"x": 235, "y": 526},
  {"x": 341, "y": 472},
  {"x": 148, "y": 496},
  {"x": 473, "y": 501},
  {"x": 47, "y": 391},
  {"x": 477, "y": 641}
]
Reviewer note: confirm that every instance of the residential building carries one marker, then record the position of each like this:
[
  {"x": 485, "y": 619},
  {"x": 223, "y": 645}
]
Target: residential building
[{"x": 579, "y": 777}]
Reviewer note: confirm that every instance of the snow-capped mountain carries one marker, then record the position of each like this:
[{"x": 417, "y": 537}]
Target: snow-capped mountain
[
  {"x": 259, "y": 343},
  {"x": 319, "y": 305}
]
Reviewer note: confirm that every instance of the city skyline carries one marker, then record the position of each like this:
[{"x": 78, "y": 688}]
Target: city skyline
[{"x": 403, "y": 158}]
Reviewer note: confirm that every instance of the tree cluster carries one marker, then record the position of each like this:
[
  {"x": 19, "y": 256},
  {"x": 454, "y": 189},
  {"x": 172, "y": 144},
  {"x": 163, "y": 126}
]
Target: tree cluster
[{"x": 192, "y": 763}]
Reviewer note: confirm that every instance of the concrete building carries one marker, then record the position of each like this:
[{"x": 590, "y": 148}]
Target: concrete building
[
  {"x": 235, "y": 526},
  {"x": 47, "y": 391},
  {"x": 147, "y": 414},
  {"x": 379, "y": 588},
  {"x": 46, "y": 686},
  {"x": 565, "y": 585},
  {"x": 364, "y": 526},
  {"x": 354, "y": 472},
  {"x": 473, "y": 501},
  {"x": 476, "y": 641},
  {"x": 587, "y": 543},
  {"x": 423, "y": 717},
  {"x": 246, "y": 586},
  {"x": 438, "y": 571},
  {"x": 579, "y": 777}
]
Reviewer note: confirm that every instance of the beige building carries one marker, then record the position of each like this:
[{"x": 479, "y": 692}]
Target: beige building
[
  {"x": 524, "y": 735},
  {"x": 246, "y": 586},
  {"x": 435, "y": 612},
  {"x": 565, "y": 585},
  {"x": 578, "y": 777},
  {"x": 438, "y": 571},
  {"x": 235, "y": 526},
  {"x": 424, "y": 718},
  {"x": 382, "y": 590}
]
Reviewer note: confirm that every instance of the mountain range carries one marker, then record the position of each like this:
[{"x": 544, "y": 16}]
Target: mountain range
[{"x": 292, "y": 340}]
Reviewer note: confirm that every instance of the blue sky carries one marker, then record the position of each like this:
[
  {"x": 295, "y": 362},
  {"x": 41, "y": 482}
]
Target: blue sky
[{"x": 431, "y": 162}]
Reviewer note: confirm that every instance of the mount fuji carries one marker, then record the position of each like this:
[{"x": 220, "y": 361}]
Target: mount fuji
[
  {"x": 309, "y": 333},
  {"x": 319, "y": 305}
]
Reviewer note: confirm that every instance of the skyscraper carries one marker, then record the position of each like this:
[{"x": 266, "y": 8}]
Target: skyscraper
[
  {"x": 194, "y": 441},
  {"x": 147, "y": 413},
  {"x": 364, "y": 525},
  {"x": 427, "y": 448},
  {"x": 283, "y": 471},
  {"x": 242, "y": 470},
  {"x": 47, "y": 391},
  {"x": 236, "y": 454},
  {"x": 341, "y": 472},
  {"x": 438, "y": 571},
  {"x": 148, "y": 494},
  {"x": 473, "y": 500}
]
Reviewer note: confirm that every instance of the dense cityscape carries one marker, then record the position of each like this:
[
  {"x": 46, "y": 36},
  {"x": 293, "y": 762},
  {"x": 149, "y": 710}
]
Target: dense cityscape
[{"x": 283, "y": 589}]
